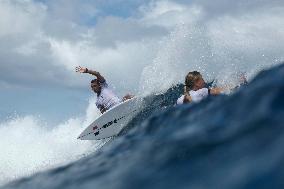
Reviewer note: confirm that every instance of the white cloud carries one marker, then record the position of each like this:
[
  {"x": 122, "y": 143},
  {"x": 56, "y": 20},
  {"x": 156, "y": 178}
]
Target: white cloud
[
  {"x": 158, "y": 8},
  {"x": 20, "y": 17},
  {"x": 170, "y": 14},
  {"x": 110, "y": 31},
  {"x": 42, "y": 42},
  {"x": 49, "y": 40}
]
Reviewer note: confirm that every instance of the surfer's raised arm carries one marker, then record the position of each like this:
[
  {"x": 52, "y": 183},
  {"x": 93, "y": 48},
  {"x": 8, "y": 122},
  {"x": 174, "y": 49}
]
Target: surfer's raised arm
[{"x": 95, "y": 73}]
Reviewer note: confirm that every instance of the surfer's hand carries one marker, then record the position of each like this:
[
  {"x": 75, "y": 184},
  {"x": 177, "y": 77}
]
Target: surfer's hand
[
  {"x": 81, "y": 69},
  {"x": 187, "y": 98}
]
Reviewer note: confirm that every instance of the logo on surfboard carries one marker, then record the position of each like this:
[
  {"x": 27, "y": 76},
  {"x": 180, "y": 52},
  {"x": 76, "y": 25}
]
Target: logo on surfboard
[{"x": 95, "y": 127}]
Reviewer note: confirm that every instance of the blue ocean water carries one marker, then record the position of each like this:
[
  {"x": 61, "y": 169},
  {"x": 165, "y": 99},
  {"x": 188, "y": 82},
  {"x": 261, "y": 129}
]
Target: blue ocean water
[{"x": 231, "y": 142}]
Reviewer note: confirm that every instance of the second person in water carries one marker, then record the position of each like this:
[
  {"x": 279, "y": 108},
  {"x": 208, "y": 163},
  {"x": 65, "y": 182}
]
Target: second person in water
[{"x": 195, "y": 88}]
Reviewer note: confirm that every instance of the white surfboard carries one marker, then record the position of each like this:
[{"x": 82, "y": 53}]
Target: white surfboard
[{"x": 111, "y": 122}]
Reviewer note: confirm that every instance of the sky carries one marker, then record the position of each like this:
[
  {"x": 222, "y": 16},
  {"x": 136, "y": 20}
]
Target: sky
[{"x": 139, "y": 46}]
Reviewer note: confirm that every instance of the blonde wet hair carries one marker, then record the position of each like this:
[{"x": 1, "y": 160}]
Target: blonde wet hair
[{"x": 190, "y": 80}]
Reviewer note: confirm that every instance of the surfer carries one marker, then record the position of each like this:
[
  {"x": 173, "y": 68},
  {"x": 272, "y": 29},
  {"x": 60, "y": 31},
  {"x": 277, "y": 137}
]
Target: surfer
[
  {"x": 106, "y": 98},
  {"x": 195, "y": 88}
]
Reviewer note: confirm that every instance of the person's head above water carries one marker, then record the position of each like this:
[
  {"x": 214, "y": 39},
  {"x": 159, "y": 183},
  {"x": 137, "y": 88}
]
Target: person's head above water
[
  {"x": 194, "y": 81},
  {"x": 96, "y": 86}
]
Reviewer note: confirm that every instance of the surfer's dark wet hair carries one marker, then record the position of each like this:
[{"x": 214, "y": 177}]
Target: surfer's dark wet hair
[
  {"x": 190, "y": 80},
  {"x": 94, "y": 81}
]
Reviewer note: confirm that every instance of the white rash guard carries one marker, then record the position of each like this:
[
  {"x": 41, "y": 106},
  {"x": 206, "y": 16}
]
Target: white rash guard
[
  {"x": 180, "y": 100},
  {"x": 196, "y": 96},
  {"x": 199, "y": 95},
  {"x": 107, "y": 99}
]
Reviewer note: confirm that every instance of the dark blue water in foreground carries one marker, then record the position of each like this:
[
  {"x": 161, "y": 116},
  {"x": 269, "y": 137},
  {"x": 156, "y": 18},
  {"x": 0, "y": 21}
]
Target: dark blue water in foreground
[{"x": 231, "y": 142}]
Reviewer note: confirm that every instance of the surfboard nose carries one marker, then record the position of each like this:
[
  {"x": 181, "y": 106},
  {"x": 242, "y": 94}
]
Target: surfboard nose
[{"x": 79, "y": 137}]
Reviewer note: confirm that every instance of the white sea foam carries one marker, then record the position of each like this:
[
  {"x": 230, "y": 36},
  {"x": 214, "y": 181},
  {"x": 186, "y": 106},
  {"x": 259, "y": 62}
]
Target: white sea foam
[
  {"x": 29, "y": 146},
  {"x": 219, "y": 47}
]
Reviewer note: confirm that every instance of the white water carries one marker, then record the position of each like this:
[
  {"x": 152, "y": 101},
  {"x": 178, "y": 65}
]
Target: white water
[
  {"x": 219, "y": 45},
  {"x": 29, "y": 146}
]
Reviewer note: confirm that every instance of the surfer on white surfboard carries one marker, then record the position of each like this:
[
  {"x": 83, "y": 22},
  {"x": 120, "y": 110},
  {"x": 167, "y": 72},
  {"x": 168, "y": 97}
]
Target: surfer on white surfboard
[{"x": 106, "y": 98}]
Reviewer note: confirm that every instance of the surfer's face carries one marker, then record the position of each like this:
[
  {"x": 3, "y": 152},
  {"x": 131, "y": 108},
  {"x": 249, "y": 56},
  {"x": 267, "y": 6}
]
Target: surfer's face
[
  {"x": 96, "y": 87},
  {"x": 199, "y": 83}
]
